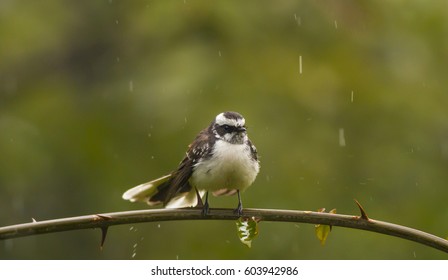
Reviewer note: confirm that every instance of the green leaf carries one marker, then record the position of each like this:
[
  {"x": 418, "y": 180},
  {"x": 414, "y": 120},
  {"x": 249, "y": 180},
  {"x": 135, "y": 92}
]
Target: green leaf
[{"x": 247, "y": 230}]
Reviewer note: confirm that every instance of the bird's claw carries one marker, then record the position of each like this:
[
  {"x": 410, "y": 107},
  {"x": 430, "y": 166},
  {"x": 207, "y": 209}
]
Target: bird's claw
[
  {"x": 205, "y": 209},
  {"x": 239, "y": 210}
]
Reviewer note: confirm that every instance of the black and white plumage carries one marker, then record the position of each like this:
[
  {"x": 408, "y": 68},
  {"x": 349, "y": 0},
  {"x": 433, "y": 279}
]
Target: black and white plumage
[{"x": 221, "y": 160}]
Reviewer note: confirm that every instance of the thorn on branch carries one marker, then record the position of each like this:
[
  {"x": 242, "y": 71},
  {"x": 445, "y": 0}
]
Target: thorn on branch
[
  {"x": 103, "y": 236},
  {"x": 363, "y": 212},
  {"x": 104, "y": 228}
]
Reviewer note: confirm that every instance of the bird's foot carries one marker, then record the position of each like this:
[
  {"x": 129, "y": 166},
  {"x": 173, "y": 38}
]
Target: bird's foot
[
  {"x": 205, "y": 209},
  {"x": 239, "y": 210}
]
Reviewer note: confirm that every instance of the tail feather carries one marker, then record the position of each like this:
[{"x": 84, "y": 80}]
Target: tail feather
[
  {"x": 160, "y": 191},
  {"x": 188, "y": 199},
  {"x": 145, "y": 191}
]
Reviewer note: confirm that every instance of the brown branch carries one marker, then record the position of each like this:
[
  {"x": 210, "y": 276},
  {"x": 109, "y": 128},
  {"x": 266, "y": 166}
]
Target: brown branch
[{"x": 103, "y": 221}]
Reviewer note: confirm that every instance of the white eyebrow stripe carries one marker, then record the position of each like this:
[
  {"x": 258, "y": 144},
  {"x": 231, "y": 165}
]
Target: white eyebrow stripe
[{"x": 222, "y": 120}]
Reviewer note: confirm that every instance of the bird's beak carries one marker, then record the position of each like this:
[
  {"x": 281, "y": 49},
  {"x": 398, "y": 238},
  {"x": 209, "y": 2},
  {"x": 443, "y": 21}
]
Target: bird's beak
[{"x": 241, "y": 129}]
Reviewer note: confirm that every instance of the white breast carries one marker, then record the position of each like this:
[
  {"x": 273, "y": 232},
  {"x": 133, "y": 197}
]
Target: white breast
[{"x": 230, "y": 167}]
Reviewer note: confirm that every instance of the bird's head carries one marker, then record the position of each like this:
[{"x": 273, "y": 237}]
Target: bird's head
[{"x": 230, "y": 127}]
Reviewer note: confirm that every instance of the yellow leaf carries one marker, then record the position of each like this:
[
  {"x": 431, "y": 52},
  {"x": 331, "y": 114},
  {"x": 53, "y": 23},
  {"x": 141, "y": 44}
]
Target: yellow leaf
[{"x": 322, "y": 232}]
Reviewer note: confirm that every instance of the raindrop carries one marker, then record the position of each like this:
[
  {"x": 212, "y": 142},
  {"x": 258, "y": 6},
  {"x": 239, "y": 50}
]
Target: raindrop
[
  {"x": 133, "y": 255},
  {"x": 300, "y": 64},
  {"x": 135, "y": 245},
  {"x": 158, "y": 225},
  {"x": 131, "y": 85},
  {"x": 298, "y": 20},
  {"x": 131, "y": 228},
  {"x": 351, "y": 96},
  {"x": 341, "y": 137},
  {"x": 335, "y": 24},
  {"x": 219, "y": 53}
]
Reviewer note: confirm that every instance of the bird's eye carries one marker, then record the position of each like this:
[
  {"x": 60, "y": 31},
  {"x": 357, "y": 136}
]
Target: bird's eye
[{"x": 226, "y": 127}]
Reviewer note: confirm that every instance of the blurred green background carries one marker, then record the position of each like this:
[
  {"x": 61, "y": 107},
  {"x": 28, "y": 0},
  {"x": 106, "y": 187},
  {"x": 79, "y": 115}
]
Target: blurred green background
[{"x": 343, "y": 99}]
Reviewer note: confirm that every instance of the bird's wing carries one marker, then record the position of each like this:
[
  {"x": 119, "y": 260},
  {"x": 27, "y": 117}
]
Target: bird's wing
[
  {"x": 174, "y": 190},
  {"x": 144, "y": 191},
  {"x": 179, "y": 186},
  {"x": 201, "y": 147},
  {"x": 253, "y": 150}
]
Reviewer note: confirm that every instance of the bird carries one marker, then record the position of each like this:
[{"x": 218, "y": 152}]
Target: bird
[{"x": 221, "y": 160}]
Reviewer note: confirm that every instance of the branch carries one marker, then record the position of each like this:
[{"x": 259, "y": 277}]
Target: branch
[{"x": 103, "y": 221}]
